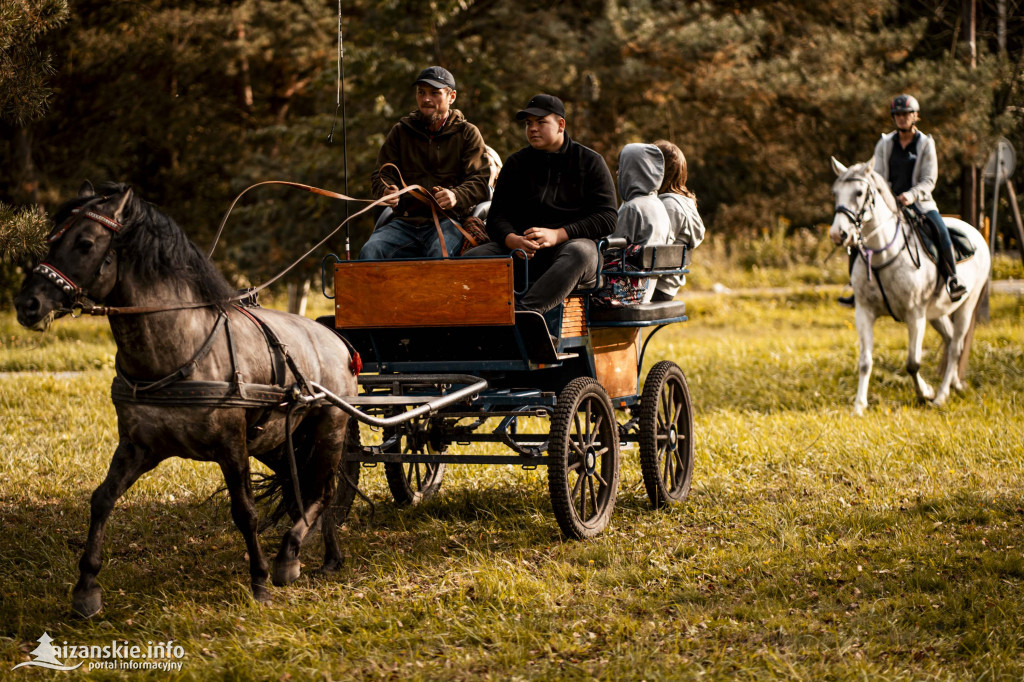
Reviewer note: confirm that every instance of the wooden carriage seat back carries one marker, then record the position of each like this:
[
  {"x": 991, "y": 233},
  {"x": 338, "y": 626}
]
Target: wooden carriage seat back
[{"x": 424, "y": 293}]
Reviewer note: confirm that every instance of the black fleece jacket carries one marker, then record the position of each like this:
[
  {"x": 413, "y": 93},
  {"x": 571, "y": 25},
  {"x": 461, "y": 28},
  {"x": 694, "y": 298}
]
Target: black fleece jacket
[{"x": 571, "y": 188}]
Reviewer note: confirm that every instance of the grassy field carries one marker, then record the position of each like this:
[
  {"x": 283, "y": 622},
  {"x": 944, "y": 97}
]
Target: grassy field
[{"x": 814, "y": 544}]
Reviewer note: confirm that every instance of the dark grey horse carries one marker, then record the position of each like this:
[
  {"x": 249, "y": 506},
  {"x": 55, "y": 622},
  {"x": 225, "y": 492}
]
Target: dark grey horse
[{"x": 244, "y": 371}]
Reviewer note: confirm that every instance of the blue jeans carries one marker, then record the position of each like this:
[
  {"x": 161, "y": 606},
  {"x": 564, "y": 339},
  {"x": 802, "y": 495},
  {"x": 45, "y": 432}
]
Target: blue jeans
[
  {"x": 400, "y": 239},
  {"x": 945, "y": 244}
]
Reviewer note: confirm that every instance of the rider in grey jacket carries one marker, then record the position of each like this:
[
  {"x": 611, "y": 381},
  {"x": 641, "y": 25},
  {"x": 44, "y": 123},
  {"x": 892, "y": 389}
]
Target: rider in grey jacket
[{"x": 906, "y": 159}]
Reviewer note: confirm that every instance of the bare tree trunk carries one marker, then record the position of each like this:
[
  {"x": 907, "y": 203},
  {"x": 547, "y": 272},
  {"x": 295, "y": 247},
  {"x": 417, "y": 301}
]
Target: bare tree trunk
[
  {"x": 26, "y": 186},
  {"x": 298, "y": 293}
]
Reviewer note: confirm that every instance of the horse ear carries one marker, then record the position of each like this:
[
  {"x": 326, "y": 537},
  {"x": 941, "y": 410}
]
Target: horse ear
[
  {"x": 86, "y": 190},
  {"x": 125, "y": 198},
  {"x": 838, "y": 167},
  {"x": 871, "y": 163}
]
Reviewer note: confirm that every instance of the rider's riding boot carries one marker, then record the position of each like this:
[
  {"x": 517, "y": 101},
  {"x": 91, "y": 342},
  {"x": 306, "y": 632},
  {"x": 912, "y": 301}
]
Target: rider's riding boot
[
  {"x": 955, "y": 288},
  {"x": 947, "y": 267}
]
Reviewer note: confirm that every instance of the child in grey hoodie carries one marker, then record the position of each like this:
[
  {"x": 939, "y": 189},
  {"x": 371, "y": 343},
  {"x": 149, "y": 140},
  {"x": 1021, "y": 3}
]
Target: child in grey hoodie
[{"x": 642, "y": 217}]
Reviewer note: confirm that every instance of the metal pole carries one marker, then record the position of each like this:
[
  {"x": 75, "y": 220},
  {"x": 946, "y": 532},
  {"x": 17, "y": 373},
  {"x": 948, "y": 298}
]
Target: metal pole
[{"x": 994, "y": 230}]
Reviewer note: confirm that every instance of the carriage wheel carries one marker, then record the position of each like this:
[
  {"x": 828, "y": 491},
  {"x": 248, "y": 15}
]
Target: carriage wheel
[
  {"x": 666, "y": 435},
  {"x": 583, "y": 477},
  {"x": 413, "y": 483}
]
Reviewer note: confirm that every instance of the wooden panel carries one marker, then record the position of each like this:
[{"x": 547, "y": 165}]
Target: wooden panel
[
  {"x": 427, "y": 293},
  {"x": 615, "y": 354},
  {"x": 574, "y": 322}
]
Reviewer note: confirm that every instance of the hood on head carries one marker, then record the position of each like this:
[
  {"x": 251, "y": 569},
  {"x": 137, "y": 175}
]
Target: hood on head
[{"x": 641, "y": 170}]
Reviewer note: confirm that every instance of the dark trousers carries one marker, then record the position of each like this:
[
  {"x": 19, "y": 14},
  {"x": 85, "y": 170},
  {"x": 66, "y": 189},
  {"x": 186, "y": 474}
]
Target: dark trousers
[{"x": 554, "y": 272}]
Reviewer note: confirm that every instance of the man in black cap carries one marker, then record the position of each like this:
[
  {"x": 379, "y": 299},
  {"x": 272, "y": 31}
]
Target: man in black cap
[
  {"x": 436, "y": 148},
  {"x": 553, "y": 200}
]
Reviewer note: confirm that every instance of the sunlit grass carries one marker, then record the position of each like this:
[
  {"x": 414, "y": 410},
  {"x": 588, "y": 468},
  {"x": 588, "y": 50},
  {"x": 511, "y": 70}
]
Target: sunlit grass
[{"x": 814, "y": 544}]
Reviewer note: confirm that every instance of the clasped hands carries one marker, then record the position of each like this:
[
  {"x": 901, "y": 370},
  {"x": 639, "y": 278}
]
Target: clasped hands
[{"x": 535, "y": 239}]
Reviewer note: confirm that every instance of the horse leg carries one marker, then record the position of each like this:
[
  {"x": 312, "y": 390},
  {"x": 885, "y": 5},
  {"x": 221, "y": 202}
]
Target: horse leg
[
  {"x": 344, "y": 494},
  {"x": 865, "y": 323},
  {"x": 235, "y": 468},
  {"x": 915, "y": 339},
  {"x": 960, "y": 323},
  {"x": 944, "y": 326},
  {"x": 320, "y": 472},
  {"x": 129, "y": 462}
]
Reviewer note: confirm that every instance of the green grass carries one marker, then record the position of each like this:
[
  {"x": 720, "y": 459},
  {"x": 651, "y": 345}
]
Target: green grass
[{"x": 814, "y": 544}]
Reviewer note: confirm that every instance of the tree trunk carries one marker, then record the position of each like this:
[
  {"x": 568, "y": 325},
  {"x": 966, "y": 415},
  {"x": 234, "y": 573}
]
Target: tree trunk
[
  {"x": 26, "y": 187},
  {"x": 298, "y": 293}
]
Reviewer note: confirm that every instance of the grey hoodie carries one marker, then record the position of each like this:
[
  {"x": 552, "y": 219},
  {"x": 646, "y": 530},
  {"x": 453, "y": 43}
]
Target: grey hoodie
[{"x": 642, "y": 218}]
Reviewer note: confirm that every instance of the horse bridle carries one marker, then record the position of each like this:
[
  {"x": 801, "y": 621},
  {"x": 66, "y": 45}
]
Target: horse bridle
[
  {"x": 858, "y": 223},
  {"x": 58, "y": 278},
  {"x": 858, "y": 218}
]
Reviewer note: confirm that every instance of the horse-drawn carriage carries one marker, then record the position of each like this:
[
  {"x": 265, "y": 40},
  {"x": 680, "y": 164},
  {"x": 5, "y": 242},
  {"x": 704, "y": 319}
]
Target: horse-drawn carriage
[
  {"x": 456, "y": 364},
  {"x": 201, "y": 373}
]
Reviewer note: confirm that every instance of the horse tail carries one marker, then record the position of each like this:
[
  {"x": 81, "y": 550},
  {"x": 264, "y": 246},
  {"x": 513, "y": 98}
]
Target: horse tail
[{"x": 275, "y": 492}]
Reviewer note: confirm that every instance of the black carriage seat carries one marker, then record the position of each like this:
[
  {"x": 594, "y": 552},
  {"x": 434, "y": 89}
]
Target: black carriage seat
[
  {"x": 642, "y": 314},
  {"x": 653, "y": 258}
]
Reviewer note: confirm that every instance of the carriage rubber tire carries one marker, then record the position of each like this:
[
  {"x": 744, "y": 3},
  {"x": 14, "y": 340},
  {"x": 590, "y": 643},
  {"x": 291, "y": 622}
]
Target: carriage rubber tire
[
  {"x": 666, "y": 449},
  {"x": 598, "y": 486},
  {"x": 413, "y": 483}
]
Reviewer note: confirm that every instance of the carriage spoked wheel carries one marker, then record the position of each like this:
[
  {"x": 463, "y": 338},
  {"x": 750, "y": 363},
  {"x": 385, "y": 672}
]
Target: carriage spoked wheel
[
  {"x": 413, "y": 483},
  {"x": 583, "y": 476},
  {"x": 666, "y": 435}
]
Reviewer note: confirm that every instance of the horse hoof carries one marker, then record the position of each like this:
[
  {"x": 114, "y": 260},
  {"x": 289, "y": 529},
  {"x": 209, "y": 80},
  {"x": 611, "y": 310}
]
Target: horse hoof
[
  {"x": 858, "y": 410},
  {"x": 261, "y": 594},
  {"x": 331, "y": 565},
  {"x": 87, "y": 603},
  {"x": 286, "y": 572}
]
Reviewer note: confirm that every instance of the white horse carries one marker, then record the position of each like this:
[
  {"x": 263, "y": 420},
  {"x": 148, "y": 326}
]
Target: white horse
[{"x": 902, "y": 280}]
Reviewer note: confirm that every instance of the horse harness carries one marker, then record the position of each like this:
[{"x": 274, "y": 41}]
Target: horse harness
[
  {"x": 865, "y": 253},
  {"x": 175, "y": 389}
]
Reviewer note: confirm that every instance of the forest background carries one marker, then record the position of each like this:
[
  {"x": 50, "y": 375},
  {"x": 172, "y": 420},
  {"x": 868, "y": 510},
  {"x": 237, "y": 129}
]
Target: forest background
[{"x": 190, "y": 102}]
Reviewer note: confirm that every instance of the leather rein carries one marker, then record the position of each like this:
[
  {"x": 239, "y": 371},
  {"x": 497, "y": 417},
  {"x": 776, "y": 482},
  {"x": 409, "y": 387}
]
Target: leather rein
[{"x": 80, "y": 304}]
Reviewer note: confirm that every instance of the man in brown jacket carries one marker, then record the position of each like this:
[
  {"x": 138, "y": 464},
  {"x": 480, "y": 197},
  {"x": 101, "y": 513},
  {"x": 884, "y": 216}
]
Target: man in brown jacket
[{"x": 437, "y": 148}]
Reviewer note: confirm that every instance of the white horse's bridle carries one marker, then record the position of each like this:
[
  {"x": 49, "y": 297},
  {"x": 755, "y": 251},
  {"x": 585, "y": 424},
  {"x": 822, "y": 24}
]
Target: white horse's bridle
[{"x": 857, "y": 220}]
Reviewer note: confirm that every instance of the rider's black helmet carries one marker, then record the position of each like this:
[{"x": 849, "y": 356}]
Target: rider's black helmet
[{"x": 903, "y": 104}]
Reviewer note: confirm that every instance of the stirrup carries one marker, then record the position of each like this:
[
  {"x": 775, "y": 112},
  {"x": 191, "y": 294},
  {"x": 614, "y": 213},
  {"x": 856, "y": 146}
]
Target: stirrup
[
  {"x": 955, "y": 288},
  {"x": 846, "y": 301}
]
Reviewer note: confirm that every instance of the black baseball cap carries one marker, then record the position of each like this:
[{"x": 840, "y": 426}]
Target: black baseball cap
[
  {"x": 542, "y": 105},
  {"x": 437, "y": 76}
]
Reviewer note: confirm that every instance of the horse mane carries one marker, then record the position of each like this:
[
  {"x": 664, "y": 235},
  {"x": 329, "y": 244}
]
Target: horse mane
[
  {"x": 154, "y": 249},
  {"x": 866, "y": 171}
]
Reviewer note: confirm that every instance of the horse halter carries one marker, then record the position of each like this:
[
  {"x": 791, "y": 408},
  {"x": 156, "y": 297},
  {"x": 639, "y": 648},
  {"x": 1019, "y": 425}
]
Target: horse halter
[
  {"x": 858, "y": 224},
  {"x": 55, "y": 276},
  {"x": 858, "y": 218}
]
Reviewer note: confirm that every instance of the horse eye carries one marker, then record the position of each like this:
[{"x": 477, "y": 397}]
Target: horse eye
[
  {"x": 84, "y": 246},
  {"x": 859, "y": 193}
]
